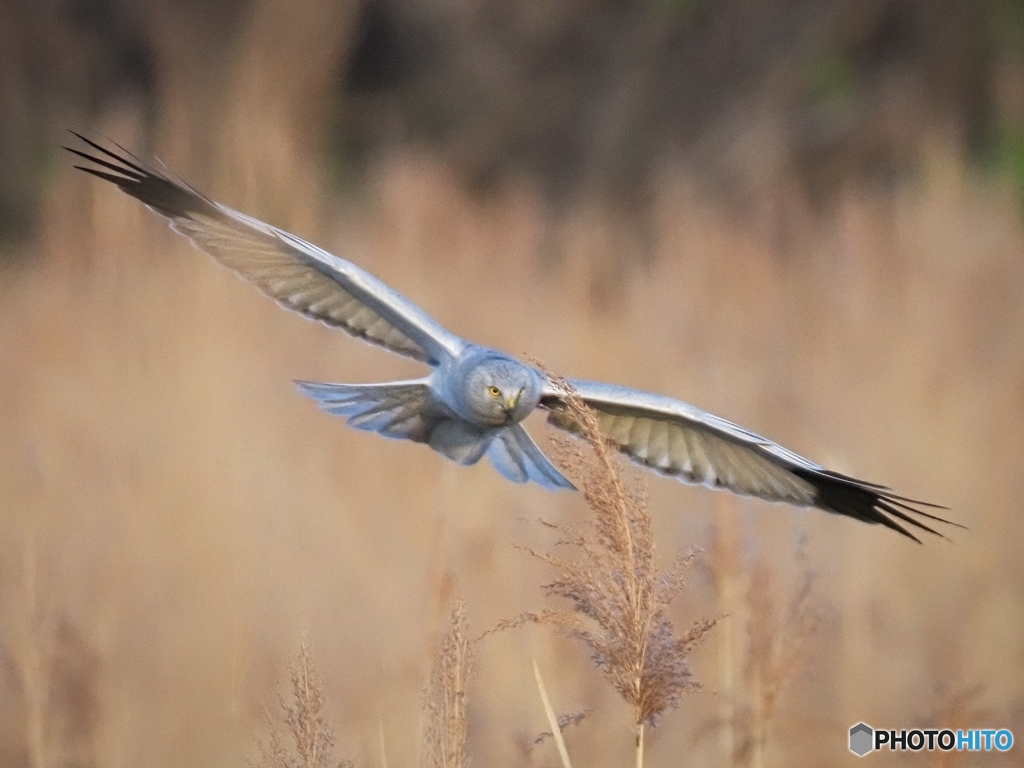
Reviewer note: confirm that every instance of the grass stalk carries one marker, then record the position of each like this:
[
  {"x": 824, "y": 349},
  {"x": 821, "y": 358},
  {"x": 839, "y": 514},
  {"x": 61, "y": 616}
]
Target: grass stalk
[
  {"x": 549, "y": 711},
  {"x": 382, "y": 744}
]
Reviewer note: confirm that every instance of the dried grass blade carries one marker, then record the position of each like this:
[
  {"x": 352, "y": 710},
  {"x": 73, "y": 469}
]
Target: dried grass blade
[{"x": 552, "y": 718}]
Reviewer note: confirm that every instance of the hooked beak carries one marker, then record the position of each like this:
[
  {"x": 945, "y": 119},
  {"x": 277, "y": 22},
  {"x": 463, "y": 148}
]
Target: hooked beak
[{"x": 510, "y": 403}]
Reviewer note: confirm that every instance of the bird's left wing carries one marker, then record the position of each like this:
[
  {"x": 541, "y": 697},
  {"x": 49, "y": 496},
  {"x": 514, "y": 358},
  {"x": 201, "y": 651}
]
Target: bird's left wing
[
  {"x": 682, "y": 441},
  {"x": 299, "y": 275}
]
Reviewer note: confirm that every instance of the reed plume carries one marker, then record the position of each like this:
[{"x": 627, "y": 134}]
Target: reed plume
[
  {"x": 304, "y": 718},
  {"x": 444, "y": 701},
  {"x": 617, "y": 599}
]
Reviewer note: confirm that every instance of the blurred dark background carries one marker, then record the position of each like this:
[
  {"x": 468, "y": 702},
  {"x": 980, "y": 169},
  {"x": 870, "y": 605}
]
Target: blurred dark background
[{"x": 588, "y": 98}]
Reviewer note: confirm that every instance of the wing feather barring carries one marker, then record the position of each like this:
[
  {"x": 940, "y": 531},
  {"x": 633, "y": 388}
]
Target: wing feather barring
[{"x": 473, "y": 400}]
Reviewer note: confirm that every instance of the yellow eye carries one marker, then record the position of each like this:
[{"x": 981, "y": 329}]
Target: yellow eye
[{"x": 493, "y": 391}]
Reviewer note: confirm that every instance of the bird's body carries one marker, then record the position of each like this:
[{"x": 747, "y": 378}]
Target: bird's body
[
  {"x": 471, "y": 405},
  {"x": 474, "y": 399}
]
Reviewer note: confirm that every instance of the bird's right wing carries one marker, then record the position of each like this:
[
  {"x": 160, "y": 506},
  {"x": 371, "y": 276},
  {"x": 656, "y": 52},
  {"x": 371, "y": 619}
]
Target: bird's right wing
[{"x": 299, "y": 275}]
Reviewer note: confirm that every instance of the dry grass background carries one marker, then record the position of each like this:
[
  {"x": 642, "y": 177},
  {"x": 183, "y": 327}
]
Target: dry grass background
[{"x": 174, "y": 516}]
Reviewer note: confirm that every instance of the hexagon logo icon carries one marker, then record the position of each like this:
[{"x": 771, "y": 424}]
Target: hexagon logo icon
[{"x": 861, "y": 739}]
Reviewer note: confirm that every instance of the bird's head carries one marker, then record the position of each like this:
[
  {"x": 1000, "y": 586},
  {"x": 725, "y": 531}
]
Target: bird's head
[{"x": 498, "y": 390}]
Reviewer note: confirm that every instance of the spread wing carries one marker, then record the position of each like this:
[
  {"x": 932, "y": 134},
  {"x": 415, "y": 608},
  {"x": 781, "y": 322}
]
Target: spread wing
[
  {"x": 297, "y": 274},
  {"x": 681, "y": 441}
]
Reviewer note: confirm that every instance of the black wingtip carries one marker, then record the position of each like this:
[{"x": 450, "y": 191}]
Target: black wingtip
[
  {"x": 883, "y": 507},
  {"x": 873, "y": 503},
  {"x": 118, "y": 180},
  {"x": 910, "y": 505},
  {"x": 113, "y": 155},
  {"x": 161, "y": 191},
  {"x": 127, "y": 174}
]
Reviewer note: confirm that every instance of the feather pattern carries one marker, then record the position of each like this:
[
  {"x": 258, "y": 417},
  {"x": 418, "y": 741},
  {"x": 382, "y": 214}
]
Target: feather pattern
[
  {"x": 679, "y": 440},
  {"x": 400, "y": 409},
  {"x": 299, "y": 275}
]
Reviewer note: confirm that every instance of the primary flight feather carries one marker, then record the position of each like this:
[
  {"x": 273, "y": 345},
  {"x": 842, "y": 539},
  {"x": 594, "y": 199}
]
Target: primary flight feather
[{"x": 474, "y": 399}]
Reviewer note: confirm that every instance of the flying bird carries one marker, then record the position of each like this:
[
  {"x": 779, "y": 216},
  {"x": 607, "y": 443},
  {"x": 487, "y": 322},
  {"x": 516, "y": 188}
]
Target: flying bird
[{"x": 474, "y": 399}]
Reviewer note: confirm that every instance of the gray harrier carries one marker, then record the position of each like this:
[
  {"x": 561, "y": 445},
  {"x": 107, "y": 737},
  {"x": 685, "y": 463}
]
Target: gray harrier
[{"x": 474, "y": 399}]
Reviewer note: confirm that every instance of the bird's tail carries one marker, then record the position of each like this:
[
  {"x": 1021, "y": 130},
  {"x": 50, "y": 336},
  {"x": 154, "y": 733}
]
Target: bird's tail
[{"x": 514, "y": 454}]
